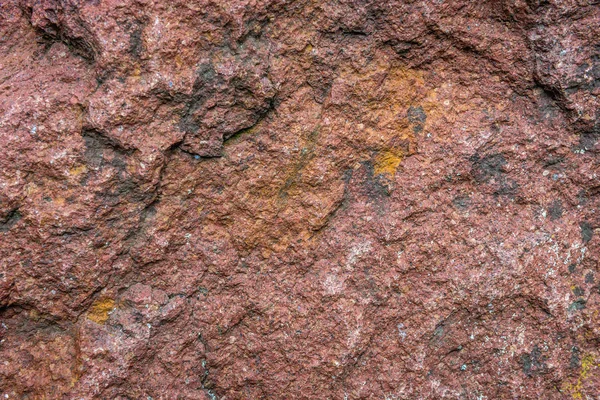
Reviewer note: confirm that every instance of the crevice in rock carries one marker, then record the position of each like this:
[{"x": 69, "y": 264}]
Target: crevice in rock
[
  {"x": 207, "y": 386},
  {"x": 54, "y": 32},
  {"x": 95, "y": 140},
  {"x": 10, "y": 220}
]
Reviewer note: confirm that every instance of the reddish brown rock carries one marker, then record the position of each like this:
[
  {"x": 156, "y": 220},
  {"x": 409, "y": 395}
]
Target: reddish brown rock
[{"x": 299, "y": 199}]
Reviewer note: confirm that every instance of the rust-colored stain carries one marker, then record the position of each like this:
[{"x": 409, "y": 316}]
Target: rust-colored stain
[{"x": 100, "y": 310}]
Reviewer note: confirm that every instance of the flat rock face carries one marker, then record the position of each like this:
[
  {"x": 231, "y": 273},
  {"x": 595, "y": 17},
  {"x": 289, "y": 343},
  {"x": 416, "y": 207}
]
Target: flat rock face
[{"x": 244, "y": 199}]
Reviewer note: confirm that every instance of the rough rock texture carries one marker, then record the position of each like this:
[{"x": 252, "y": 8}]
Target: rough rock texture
[{"x": 352, "y": 199}]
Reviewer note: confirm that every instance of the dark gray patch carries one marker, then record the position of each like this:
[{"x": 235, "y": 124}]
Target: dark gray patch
[
  {"x": 575, "y": 361},
  {"x": 587, "y": 232},
  {"x": 555, "y": 210},
  {"x": 96, "y": 147},
  {"x": 588, "y": 138},
  {"x": 374, "y": 185},
  {"x": 10, "y": 220},
  {"x": 577, "y": 291},
  {"x": 417, "y": 117},
  {"x": 94, "y": 150},
  {"x": 587, "y": 77},
  {"x": 582, "y": 197},
  {"x": 347, "y": 175},
  {"x": 508, "y": 187},
  {"x": 136, "y": 43},
  {"x": 553, "y": 161},
  {"x": 138, "y": 316},
  {"x": 589, "y": 277},
  {"x": 462, "y": 202},
  {"x": 206, "y": 73},
  {"x": 577, "y": 305},
  {"x": 488, "y": 167},
  {"x": 572, "y": 268},
  {"x": 533, "y": 363}
]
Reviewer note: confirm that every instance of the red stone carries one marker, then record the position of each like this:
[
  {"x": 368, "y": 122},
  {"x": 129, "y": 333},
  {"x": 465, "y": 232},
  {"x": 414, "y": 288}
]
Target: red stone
[{"x": 298, "y": 199}]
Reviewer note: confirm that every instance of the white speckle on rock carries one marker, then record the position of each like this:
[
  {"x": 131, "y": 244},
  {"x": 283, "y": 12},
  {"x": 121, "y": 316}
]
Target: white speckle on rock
[
  {"x": 333, "y": 284},
  {"x": 357, "y": 251},
  {"x": 401, "y": 331}
]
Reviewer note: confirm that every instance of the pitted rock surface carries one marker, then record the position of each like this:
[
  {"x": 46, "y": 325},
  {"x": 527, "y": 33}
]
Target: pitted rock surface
[{"x": 297, "y": 199}]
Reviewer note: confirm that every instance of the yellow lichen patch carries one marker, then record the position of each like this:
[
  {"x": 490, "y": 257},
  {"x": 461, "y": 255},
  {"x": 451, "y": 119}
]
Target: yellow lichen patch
[
  {"x": 387, "y": 162},
  {"x": 100, "y": 309},
  {"x": 587, "y": 364},
  {"x": 78, "y": 170}
]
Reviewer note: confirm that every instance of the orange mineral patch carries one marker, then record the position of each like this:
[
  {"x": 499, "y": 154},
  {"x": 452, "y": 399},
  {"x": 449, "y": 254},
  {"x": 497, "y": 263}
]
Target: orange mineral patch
[
  {"x": 99, "y": 311},
  {"x": 387, "y": 162}
]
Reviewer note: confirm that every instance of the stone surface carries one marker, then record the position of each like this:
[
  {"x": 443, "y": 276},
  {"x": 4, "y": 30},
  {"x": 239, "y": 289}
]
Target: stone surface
[{"x": 284, "y": 199}]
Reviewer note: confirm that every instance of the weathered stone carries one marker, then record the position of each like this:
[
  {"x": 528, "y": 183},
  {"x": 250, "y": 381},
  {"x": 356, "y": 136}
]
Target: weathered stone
[{"x": 296, "y": 199}]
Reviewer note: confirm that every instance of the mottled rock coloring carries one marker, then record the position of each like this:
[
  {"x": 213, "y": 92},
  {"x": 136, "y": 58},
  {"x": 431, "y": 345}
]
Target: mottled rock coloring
[{"x": 286, "y": 199}]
